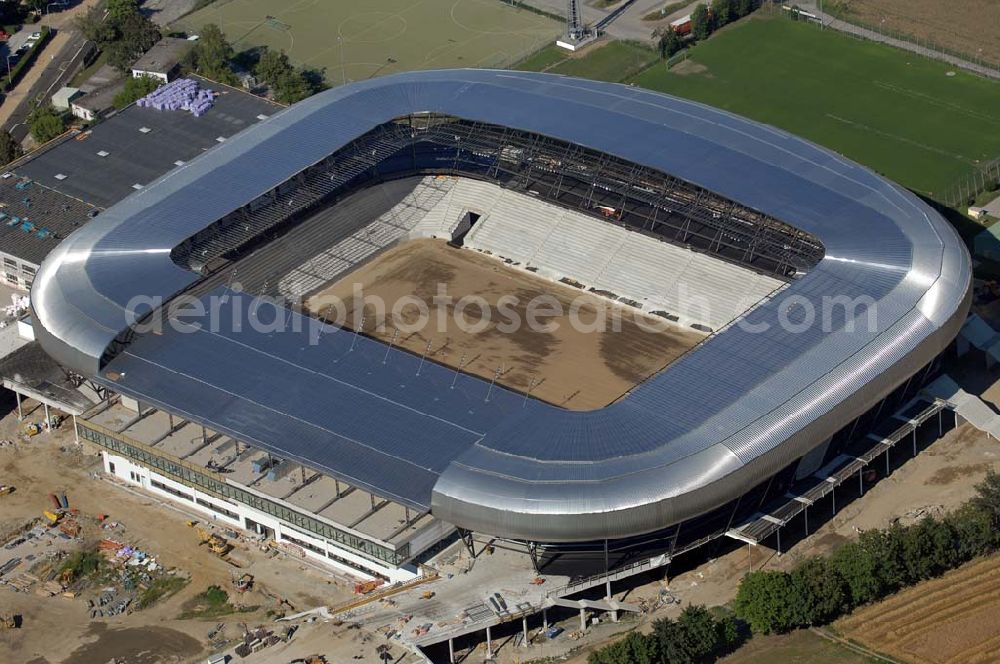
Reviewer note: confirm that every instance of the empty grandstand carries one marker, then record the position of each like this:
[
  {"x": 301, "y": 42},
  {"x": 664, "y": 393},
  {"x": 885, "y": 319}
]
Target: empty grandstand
[{"x": 664, "y": 206}]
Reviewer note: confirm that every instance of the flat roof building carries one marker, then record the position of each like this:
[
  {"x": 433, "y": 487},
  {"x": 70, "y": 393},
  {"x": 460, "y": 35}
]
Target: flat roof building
[{"x": 163, "y": 60}]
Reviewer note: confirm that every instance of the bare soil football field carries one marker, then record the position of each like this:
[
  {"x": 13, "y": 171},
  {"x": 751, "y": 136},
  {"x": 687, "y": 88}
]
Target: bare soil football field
[
  {"x": 574, "y": 368},
  {"x": 969, "y": 27},
  {"x": 954, "y": 619}
]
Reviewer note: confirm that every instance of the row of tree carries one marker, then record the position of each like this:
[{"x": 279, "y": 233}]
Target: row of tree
[
  {"x": 705, "y": 19},
  {"x": 879, "y": 563},
  {"x": 696, "y": 636}
]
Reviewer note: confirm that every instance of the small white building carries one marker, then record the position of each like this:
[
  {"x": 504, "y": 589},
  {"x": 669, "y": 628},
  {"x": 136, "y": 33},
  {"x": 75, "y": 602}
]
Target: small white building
[{"x": 163, "y": 60}]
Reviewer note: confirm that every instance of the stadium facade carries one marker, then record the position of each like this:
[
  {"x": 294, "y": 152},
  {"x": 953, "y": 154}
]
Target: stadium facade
[{"x": 758, "y": 399}]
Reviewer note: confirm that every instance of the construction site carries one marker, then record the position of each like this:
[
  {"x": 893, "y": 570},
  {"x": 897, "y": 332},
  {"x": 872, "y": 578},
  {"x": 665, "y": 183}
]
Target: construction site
[{"x": 443, "y": 493}]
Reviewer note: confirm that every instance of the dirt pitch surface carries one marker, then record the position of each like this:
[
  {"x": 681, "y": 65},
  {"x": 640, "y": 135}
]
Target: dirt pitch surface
[
  {"x": 952, "y": 619},
  {"x": 969, "y": 27},
  {"x": 573, "y": 368}
]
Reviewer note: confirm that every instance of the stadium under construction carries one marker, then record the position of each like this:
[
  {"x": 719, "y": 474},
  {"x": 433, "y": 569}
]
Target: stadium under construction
[{"x": 824, "y": 296}]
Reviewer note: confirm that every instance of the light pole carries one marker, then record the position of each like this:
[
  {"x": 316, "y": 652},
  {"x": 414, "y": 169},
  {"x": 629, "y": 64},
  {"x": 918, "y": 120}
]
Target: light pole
[{"x": 343, "y": 74}]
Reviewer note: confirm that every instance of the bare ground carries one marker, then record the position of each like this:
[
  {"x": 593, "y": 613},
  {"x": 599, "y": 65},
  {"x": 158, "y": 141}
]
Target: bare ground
[
  {"x": 58, "y": 629},
  {"x": 573, "y": 368},
  {"x": 969, "y": 27}
]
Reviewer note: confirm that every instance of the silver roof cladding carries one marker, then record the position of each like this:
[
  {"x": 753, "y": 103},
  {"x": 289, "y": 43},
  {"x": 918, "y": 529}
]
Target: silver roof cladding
[{"x": 689, "y": 439}]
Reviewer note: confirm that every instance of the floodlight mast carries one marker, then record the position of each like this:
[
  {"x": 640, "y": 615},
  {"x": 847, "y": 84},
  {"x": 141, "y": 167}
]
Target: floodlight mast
[{"x": 574, "y": 26}]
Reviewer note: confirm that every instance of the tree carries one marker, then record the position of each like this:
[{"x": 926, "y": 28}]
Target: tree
[
  {"x": 9, "y": 148},
  {"x": 987, "y": 498},
  {"x": 670, "y": 42},
  {"x": 120, "y": 10},
  {"x": 136, "y": 87},
  {"x": 272, "y": 66},
  {"x": 744, "y": 7},
  {"x": 700, "y": 634},
  {"x": 211, "y": 56},
  {"x": 633, "y": 649},
  {"x": 769, "y": 602},
  {"x": 292, "y": 87},
  {"x": 721, "y": 12},
  {"x": 974, "y": 531},
  {"x": 137, "y": 34},
  {"x": 701, "y": 25},
  {"x": 45, "y": 124},
  {"x": 93, "y": 27},
  {"x": 821, "y": 590}
]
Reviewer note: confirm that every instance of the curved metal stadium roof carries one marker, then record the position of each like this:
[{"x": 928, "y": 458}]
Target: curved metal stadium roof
[{"x": 712, "y": 425}]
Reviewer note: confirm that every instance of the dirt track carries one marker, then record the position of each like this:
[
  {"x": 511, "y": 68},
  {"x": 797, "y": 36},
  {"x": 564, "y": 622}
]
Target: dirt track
[{"x": 573, "y": 368}]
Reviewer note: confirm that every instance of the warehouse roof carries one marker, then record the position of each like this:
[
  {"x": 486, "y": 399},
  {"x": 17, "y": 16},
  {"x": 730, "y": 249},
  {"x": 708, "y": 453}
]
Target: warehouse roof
[
  {"x": 34, "y": 219},
  {"x": 136, "y": 146},
  {"x": 713, "y": 424}
]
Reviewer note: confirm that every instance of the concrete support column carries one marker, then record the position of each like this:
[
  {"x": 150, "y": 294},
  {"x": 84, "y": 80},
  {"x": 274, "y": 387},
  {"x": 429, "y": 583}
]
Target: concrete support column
[
  {"x": 489, "y": 643},
  {"x": 20, "y": 413},
  {"x": 545, "y": 619},
  {"x": 76, "y": 432},
  {"x": 583, "y": 620},
  {"x": 170, "y": 421},
  {"x": 48, "y": 428},
  {"x": 524, "y": 630},
  {"x": 451, "y": 650}
]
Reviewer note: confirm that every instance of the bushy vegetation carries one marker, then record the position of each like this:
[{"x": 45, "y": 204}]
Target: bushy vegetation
[
  {"x": 45, "y": 123},
  {"x": 136, "y": 87},
  {"x": 125, "y": 35},
  {"x": 80, "y": 564},
  {"x": 9, "y": 148},
  {"x": 696, "y": 636},
  {"x": 212, "y": 603},
  {"x": 879, "y": 563}
]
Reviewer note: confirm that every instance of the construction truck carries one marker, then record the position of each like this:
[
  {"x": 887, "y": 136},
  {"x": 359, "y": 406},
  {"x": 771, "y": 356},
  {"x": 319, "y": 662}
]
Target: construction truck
[
  {"x": 217, "y": 545},
  {"x": 53, "y": 517},
  {"x": 5, "y": 489},
  {"x": 243, "y": 583}
]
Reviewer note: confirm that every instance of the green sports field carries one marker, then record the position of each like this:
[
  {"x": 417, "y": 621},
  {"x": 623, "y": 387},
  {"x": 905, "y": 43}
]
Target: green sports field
[
  {"x": 917, "y": 121},
  {"x": 377, "y": 37}
]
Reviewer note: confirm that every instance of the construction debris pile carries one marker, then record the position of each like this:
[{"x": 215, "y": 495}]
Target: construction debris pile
[{"x": 255, "y": 640}]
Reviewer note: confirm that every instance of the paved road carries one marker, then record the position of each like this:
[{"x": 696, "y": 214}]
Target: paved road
[
  {"x": 872, "y": 35},
  {"x": 56, "y": 65}
]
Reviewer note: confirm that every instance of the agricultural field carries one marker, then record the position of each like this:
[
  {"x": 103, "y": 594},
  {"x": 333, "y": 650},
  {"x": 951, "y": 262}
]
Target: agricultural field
[
  {"x": 965, "y": 27},
  {"x": 954, "y": 619},
  {"x": 917, "y": 121},
  {"x": 606, "y": 61},
  {"x": 354, "y": 41}
]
